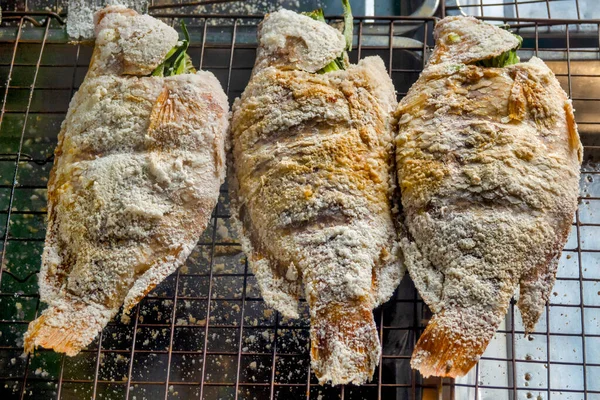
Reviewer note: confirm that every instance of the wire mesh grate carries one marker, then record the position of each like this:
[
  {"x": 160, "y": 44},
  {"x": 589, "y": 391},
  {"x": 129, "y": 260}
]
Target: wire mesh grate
[{"x": 205, "y": 332}]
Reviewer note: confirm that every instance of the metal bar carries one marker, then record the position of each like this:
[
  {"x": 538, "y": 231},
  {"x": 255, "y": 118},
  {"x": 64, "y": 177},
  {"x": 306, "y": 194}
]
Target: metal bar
[
  {"x": 300, "y": 385},
  {"x": 359, "y": 40},
  {"x": 274, "y": 361},
  {"x": 513, "y": 350},
  {"x": 48, "y": 14},
  {"x": 498, "y": 4},
  {"x": 508, "y": 388},
  {"x": 547, "y": 308},
  {"x": 60, "y": 377},
  {"x": 537, "y": 39},
  {"x": 232, "y": 52},
  {"x": 97, "y": 371},
  {"x": 231, "y": 384},
  {"x": 308, "y": 376},
  {"x": 390, "y": 48},
  {"x": 132, "y": 353},
  {"x": 210, "y": 289},
  {"x": 170, "y": 352},
  {"x": 191, "y": 4},
  {"x": 582, "y": 308},
  {"x": 23, "y": 389},
  {"x": 241, "y": 340},
  {"x": 477, "y": 381},
  {"x": 380, "y": 369},
  {"x": 203, "y": 43},
  {"x": 396, "y": 18},
  {"x": 570, "y": 91},
  {"x": 415, "y": 333}
]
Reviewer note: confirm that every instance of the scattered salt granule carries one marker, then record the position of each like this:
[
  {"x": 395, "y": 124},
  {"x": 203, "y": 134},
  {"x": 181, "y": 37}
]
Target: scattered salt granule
[{"x": 80, "y": 21}]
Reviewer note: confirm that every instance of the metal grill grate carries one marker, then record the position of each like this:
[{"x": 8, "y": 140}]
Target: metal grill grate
[{"x": 205, "y": 332}]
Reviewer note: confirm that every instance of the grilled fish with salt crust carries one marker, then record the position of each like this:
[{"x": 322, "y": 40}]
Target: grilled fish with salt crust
[
  {"x": 488, "y": 159},
  {"x": 312, "y": 152},
  {"x": 137, "y": 172}
]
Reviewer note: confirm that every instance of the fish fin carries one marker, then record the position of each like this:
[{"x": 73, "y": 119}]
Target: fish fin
[
  {"x": 517, "y": 102},
  {"x": 574, "y": 141},
  {"x": 344, "y": 343},
  {"x": 280, "y": 283},
  {"x": 177, "y": 107},
  {"x": 428, "y": 279},
  {"x": 162, "y": 262},
  {"x": 534, "y": 291},
  {"x": 452, "y": 343},
  {"x": 387, "y": 274},
  {"x": 174, "y": 107},
  {"x": 277, "y": 291},
  {"x": 66, "y": 329},
  {"x": 167, "y": 110}
]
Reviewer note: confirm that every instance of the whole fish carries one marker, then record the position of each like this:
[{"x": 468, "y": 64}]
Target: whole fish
[
  {"x": 312, "y": 183},
  {"x": 488, "y": 160},
  {"x": 137, "y": 171}
]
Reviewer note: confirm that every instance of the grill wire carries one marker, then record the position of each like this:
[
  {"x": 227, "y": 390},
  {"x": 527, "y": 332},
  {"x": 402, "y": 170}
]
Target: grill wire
[{"x": 205, "y": 332}]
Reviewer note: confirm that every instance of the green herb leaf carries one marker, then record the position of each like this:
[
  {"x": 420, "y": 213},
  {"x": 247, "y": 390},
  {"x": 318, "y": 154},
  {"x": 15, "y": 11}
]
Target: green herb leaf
[
  {"x": 176, "y": 61},
  {"x": 509, "y": 57},
  {"x": 348, "y": 24},
  {"x": 317, "y": 15}
]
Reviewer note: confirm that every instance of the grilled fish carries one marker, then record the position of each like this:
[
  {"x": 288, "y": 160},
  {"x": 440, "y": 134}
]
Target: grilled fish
[
  {"x": 136, "y": 175},
  {"x": 312, "y": 183},
  {"x": 488, "y": 159}
]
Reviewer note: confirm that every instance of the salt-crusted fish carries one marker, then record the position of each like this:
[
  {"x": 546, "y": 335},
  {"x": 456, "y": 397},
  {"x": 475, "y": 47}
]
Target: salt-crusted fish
[
  {"x": 312, "y": 182},
  {"x": 488, "y": 159},
  {"x": 137, "y": 172}
]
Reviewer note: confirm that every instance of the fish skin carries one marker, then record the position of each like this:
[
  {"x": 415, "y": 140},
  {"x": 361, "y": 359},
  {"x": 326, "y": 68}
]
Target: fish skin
[{"x": 488, "y": 164}]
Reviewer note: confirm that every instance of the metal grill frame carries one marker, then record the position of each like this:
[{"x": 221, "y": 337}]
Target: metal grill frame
[{"x": 415, "y": 388}]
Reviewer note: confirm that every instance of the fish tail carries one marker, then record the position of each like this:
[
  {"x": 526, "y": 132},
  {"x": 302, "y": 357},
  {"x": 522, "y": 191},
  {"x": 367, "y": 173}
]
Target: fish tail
[
  {"x": 65, "y": 329},
  {"x": 344, "y": 343},
  {"x": 452, "y": 342}
]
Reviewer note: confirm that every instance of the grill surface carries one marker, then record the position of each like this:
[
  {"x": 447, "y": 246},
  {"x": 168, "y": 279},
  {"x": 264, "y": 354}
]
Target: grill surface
[{"x": 206, "y": 332}]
